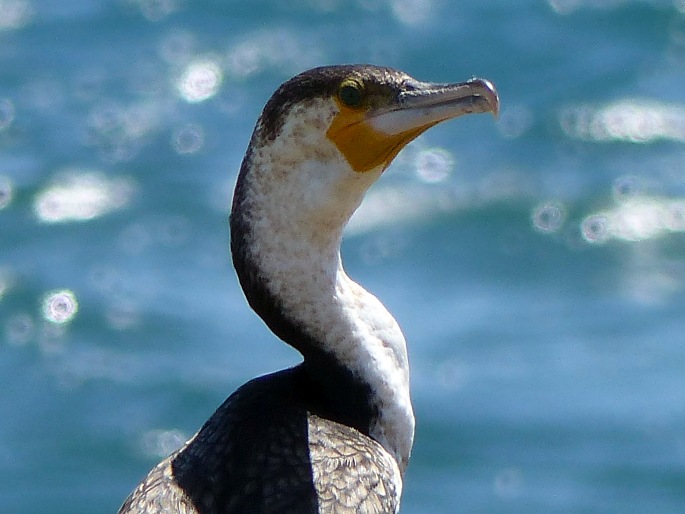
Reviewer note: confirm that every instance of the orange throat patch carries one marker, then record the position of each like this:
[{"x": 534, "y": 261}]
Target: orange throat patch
[{"x": 365, "y": 148}]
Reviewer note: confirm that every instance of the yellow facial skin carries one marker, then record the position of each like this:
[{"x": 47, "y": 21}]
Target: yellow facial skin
[{"x": 364, "y": 147}]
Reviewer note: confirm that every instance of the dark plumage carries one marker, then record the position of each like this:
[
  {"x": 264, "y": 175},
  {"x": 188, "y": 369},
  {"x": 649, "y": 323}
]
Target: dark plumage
[{"x": 260, "y": 460}]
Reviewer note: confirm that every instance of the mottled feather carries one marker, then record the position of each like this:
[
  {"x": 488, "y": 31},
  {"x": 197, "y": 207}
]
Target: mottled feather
[{"x": 265, "y": 450}]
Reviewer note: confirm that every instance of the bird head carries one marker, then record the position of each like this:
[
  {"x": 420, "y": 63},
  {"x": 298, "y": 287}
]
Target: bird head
[
  {"x": 328, "y": 133},
  {"x": 370, "y": 113}
]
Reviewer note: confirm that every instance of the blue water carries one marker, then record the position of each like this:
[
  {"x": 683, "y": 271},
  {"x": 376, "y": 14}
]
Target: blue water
[{"x": 536, "y": 264}]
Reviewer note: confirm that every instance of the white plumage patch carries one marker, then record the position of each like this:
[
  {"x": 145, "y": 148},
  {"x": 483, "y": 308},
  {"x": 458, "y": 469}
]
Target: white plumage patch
[{"x": 301, "y": 192}]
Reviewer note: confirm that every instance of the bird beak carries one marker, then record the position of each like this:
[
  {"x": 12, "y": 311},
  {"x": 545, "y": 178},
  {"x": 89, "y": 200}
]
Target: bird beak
[
  {"x": 371, "y": 140},
  {"x": 429, "y": 104}
]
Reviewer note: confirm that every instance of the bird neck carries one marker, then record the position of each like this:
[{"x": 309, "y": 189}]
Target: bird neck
[{"x": 286, "y": 250}]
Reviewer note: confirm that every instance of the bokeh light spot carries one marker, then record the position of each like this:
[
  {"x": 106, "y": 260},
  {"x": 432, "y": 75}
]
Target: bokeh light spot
[
  {"x": 60, "y": 306},
  {"x": 119, "y": 130},
  {"x": 434, "y": 165},
  {"x": 160, "y": 443},
  {"x": 595, "y": 229},
  {"x": 245, "y": 59},
  {"x": 549, "y": 217},
  {"x": 199, "y": 81},
  {"x": 81, "y": 196},
  {"x": 627, "y": 120},
  {"x": 635, "y": 218},
  {"x": 188, "y": 139},
  {"x": 515, "y": 121},
  {"x": 178, "y": 47},
  {"x": 6, "y": 192},
  {"x": 282, "y": 49},
  {"x": 626, "y": 187}
]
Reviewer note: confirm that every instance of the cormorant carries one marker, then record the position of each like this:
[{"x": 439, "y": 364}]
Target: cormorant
[{"x": 334, "y": 433}]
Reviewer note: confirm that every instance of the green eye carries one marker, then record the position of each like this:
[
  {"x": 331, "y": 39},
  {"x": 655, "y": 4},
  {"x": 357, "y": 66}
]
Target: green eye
[{"x": 350, "y": 94}]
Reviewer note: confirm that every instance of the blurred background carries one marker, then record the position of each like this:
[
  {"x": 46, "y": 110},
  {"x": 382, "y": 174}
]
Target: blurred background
[{"x": 536, "y": 263}]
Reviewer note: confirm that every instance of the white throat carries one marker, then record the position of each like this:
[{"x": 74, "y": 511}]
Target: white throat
[{"x": 296, "y": 227}]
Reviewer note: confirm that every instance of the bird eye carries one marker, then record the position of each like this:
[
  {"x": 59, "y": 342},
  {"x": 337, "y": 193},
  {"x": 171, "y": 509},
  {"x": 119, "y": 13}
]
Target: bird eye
[{"x": 350, "y": 93}]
